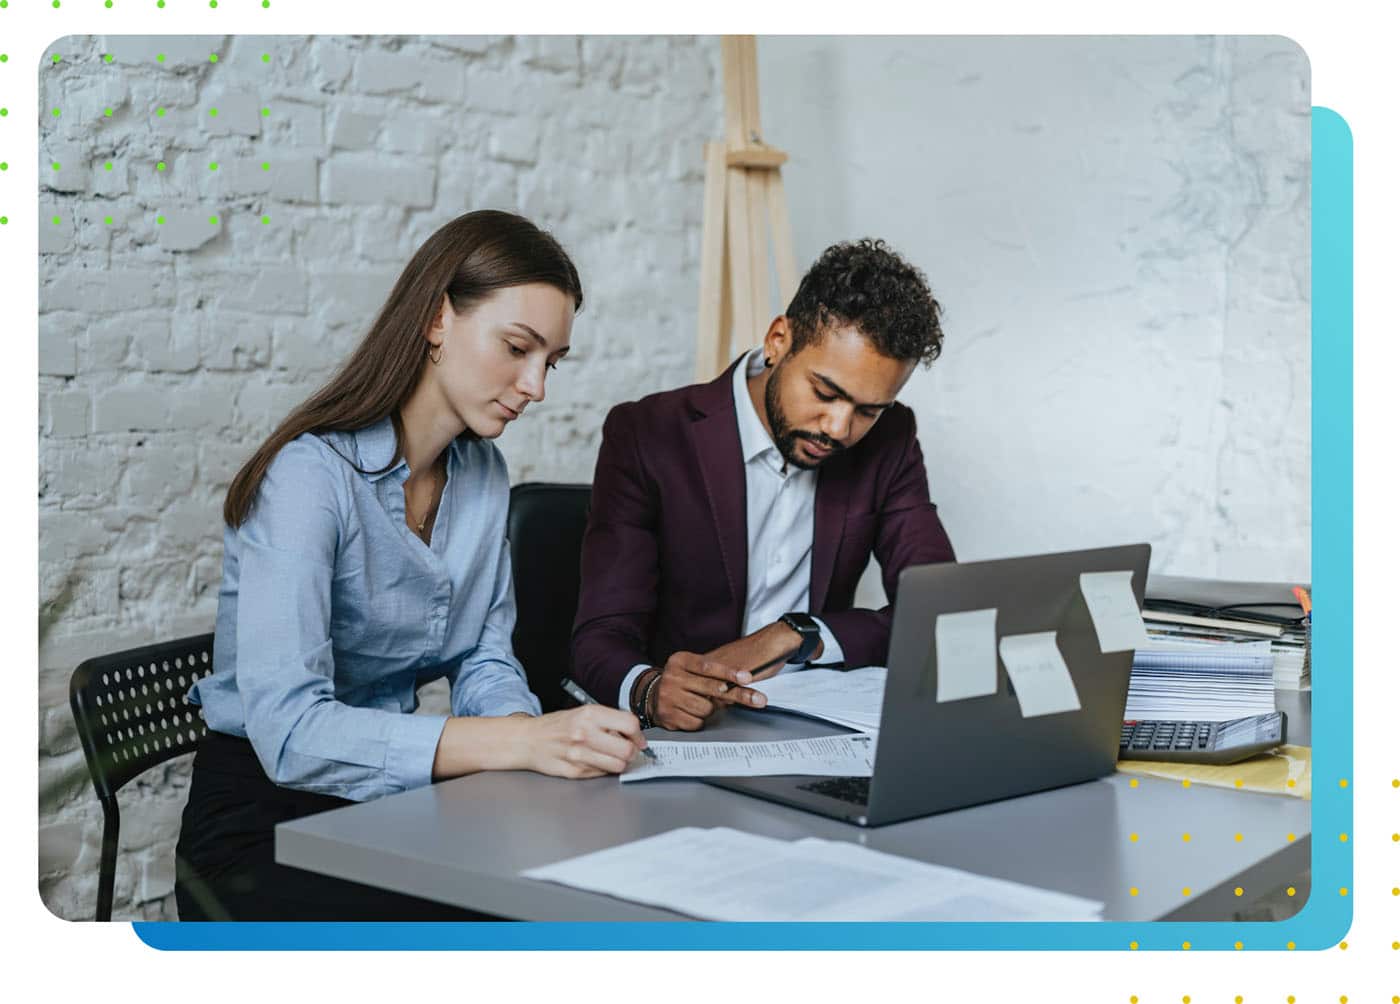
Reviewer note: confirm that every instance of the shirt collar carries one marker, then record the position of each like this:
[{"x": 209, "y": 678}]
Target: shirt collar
[
  {"x": 754, "y": 440},
  {"x": 375, "y": 444}
]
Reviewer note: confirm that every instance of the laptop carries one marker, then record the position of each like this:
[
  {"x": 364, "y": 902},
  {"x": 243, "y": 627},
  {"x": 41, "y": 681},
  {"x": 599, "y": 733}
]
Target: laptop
[{"x": 935, "y": 756}]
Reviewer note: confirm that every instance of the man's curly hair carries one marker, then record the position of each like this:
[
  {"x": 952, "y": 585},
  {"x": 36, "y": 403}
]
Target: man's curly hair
[{"x": 867, "y": 285}]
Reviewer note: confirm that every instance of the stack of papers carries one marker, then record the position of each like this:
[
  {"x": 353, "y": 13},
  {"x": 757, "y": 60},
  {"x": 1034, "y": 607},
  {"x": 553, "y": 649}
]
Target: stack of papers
[
  {"x": 763, "y": 879},
  {"x": 1222, "y": 600},
  {"x": 853, "y": 698},
  {"x": 824, "y": 756},
  {"x": 1201, "y": 681}
]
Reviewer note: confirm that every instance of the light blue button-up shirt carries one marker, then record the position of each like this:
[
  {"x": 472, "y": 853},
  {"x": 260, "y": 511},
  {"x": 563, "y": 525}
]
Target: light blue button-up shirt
[{"x": 332, "y": 613}]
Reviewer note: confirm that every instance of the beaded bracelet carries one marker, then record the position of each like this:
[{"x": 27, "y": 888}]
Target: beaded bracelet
[{"x": 648, "y": 715}]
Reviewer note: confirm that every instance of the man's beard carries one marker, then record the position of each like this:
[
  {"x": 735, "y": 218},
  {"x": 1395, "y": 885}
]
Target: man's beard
[{"x": 784, "y": 436}]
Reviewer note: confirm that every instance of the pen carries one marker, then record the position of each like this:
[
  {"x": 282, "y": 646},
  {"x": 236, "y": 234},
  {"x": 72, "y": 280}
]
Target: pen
[
  {"x": 582, "y": 696},
  {"x": 1304, "y": 601}
]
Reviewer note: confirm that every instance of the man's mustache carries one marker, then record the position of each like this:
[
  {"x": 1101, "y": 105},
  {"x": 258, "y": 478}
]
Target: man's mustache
[{"x": 821, "y": 440}]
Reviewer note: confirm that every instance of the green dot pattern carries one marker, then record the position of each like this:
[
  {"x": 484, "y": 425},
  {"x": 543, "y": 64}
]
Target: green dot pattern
[
  {"x": 108, "y": 58},
  {"x": 4, "y": 165}
]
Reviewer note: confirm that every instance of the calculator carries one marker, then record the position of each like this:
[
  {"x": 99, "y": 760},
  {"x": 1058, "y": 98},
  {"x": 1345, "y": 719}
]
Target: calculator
[{"x": 1202, "y": 742}]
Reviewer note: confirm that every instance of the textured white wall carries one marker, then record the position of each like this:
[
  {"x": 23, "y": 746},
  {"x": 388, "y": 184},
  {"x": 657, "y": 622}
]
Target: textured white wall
[
  {"x": 168, "y": 350},
  {"x": 1118, "y": 229}
]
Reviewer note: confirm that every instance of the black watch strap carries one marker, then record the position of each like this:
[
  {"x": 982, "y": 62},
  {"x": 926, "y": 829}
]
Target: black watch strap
[{"x": 810, "y": 632}]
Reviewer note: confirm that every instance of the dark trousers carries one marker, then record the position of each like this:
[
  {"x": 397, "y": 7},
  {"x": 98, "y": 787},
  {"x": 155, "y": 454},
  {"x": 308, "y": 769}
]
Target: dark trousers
[{"x": 224, "y": 867}]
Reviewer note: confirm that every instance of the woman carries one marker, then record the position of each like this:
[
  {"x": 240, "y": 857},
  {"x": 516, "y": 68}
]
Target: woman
[{"x": 365, "y": 554}]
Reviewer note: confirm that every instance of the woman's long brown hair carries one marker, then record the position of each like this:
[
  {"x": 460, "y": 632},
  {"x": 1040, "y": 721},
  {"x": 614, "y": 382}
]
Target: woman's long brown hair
[{"x": 468, "y": 259}]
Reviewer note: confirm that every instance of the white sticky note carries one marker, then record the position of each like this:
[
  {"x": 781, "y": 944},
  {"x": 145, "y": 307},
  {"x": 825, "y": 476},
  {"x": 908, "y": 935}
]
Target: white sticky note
[
  {"x": 1114, "y": 610},
  {"x": 966, "y": 646},
  {"x": 1039, "y": 674}
]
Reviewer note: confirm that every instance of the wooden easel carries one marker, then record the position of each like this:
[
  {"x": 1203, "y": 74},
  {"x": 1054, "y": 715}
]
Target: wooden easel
[{"x": 744, "y": 209}]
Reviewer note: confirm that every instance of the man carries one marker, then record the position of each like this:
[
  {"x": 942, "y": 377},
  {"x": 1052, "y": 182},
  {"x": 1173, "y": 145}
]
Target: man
[{"x": 731, "y": 521}]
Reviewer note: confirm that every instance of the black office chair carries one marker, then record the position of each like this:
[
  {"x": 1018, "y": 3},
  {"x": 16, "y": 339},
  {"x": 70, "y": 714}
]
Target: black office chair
[
  {"x": 545, "y": 528},
  {"x": 131, "y": 713}
]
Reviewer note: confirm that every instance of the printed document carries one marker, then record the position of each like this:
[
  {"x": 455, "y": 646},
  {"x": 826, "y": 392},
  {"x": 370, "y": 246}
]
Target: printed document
[
  {"x": 842, "y": 756},
  {"x": 853, "y": 698},
  {"x": 764, "y": 879}
]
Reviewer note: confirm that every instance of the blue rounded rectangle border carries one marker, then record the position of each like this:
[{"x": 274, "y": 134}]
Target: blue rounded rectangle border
[{"x": 1320, "y": 924}]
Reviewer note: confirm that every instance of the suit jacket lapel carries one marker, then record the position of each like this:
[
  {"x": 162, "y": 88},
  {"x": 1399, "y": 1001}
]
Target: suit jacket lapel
[
  {"x": 833, "y": 499},
  {"x": 714, "y": 433}
]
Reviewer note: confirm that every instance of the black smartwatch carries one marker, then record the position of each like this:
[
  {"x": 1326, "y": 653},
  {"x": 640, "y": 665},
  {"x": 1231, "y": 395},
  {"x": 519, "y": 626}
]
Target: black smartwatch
[{"x": 810, "y": 632}]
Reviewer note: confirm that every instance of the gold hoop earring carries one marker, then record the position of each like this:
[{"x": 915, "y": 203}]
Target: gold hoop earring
[{"x": 435, "y": 358}]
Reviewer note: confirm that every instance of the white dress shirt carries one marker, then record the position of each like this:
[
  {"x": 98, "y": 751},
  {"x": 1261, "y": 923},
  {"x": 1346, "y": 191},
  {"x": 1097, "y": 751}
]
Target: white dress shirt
[{"x": 781, "y": 513}]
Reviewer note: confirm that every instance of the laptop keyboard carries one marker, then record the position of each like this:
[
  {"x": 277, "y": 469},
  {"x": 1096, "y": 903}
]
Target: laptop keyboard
[{"x": 848, "y": 789}]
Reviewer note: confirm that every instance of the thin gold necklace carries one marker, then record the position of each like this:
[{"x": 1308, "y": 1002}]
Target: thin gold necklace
[{"x": 428, "y": 511}]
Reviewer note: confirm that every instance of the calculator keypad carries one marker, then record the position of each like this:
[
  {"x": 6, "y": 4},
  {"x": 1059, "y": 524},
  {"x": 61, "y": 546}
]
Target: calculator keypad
[{"x": 1163, "y": 736}]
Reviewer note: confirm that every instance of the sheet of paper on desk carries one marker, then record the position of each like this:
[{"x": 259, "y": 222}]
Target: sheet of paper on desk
[
  {"x": 1114, "y": 610},
  {"x": 1038, "y": 673},
  {"x": 966, "y": 646},
  {"x": 841, "y": 756},
  {"x": 853, "y": 697},
  {"x": 764, "y": 879}
]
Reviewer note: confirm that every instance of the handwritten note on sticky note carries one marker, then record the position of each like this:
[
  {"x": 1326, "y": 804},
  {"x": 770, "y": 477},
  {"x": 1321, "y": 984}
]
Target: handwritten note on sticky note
[
  {"x": 1039, "y": 674},
  {"x": 1114, "y": 610},
  {"x": 966, "y": 646}
]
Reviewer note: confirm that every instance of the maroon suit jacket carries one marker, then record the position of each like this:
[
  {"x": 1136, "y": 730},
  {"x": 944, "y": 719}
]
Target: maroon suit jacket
[{"x": 665, "y": 555}]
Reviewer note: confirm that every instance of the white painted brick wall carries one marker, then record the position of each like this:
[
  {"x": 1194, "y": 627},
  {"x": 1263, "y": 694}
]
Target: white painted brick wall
[{"x": 168, "y": 351}]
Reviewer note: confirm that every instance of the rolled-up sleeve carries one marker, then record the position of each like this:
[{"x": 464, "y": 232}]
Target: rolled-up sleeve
[
  {"x": 489, "y": 680},
  {"x": 304, "y": 737}
]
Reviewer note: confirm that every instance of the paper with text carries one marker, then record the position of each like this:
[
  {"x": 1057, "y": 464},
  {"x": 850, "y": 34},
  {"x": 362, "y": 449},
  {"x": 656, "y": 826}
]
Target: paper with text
[
  {"x": 1039, "y": 674},
  {"x": 966, "y": 646},
  {"x": 842, "y": 756},
  {"x": 1114, "y": 610},
  {"x": 852, "y": 697},
  {"x": 763, "y": 879}
]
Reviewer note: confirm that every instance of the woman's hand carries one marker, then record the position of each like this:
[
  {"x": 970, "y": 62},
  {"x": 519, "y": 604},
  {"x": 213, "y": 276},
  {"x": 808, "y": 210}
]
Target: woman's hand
[{"x": 582, "y": 742}]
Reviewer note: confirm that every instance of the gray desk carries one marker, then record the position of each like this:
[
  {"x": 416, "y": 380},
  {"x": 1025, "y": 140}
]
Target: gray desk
[{"x": 464, "y": 842}]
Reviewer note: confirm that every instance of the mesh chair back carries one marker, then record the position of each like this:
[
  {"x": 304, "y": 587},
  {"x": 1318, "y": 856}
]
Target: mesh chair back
[
  {"x": 545, "y": 528},
  {"x": 131, "y": 711}
]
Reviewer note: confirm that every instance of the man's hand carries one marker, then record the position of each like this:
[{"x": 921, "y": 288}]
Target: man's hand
[
  {"x": 777, "y": 642},
  {"x": 692, "y": 686}
]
